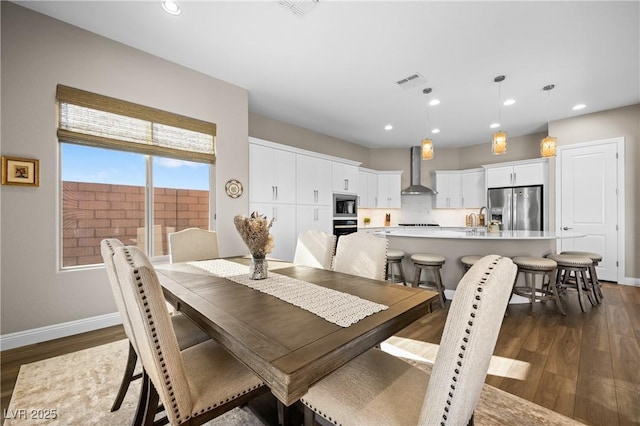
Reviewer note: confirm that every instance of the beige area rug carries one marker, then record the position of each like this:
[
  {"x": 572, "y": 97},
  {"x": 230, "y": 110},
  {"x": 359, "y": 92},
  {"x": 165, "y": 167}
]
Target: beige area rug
[{"x": 79, "y": 388}]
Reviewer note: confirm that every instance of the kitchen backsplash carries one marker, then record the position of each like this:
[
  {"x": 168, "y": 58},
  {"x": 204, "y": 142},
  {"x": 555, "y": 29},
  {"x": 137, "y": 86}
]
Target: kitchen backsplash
[{"x": 415, "y": 209}]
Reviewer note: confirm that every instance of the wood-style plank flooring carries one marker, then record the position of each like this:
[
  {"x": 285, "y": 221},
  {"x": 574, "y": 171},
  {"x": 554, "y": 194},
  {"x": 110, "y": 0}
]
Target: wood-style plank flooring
[{"x": 584, "y": 365}]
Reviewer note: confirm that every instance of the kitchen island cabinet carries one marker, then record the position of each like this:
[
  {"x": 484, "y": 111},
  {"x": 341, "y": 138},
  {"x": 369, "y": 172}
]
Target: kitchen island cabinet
[{"x": 453, "y": 244}]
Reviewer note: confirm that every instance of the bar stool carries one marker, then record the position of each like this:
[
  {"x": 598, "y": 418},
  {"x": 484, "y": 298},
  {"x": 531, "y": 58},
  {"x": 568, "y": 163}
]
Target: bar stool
[
  {"x": 429, "y": 262},
  {"x": 578, "y": 266},
  {"x": 469, "y": 261},
  {"x": 595, "y": 259},
  {"x": 394, "y": 260},
  {"x": 531, "y": 267}
]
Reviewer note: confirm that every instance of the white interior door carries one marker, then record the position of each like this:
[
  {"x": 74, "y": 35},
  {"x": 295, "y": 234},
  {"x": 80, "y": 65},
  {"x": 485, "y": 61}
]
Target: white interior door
[{"x": 588, "y": 202}]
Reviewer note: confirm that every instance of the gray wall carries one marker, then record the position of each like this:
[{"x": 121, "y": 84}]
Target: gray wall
[
  {"x": 38, "y": 53},
  {"x": 287, "y": 134}
]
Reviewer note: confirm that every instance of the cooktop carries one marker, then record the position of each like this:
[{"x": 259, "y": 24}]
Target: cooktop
[{"x": 418, "y": 224}]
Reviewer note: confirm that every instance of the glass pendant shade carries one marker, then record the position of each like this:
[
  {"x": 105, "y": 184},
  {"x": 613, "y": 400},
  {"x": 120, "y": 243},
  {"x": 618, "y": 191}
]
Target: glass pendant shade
[
  {"x": 548, "y": 146},
  {"x": 499, "y": 144},
  {"x": 427, "y": 149}
]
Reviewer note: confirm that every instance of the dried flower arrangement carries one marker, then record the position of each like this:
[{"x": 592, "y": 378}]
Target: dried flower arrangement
[{"x": 254, "y": 231}]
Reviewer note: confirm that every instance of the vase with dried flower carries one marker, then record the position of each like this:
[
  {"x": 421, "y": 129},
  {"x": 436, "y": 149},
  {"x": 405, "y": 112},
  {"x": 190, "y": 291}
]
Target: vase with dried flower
[{"x": 254, "y": 231}]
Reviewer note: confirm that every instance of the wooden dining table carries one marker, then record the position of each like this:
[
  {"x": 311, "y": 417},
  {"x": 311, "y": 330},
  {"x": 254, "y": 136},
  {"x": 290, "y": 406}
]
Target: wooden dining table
[{"x": 289, "y": 347}]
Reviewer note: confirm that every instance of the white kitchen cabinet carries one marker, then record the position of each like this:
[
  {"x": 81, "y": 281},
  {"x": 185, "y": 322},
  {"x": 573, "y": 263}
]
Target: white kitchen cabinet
[
  {"x": 449, "y": 188},
  {"x": 389, "y": 190},
  {"x": 272, "y": 175},
  {"x": 314, "y": 217},
  {"x": 524, "y": 173},
  {"x": 367, "y": 189},
  {"x": 313, "y": 177},
  {"x": 283, "y": 229},
  {"x": 344, "y": 178},
  {"x": 473, "y": 189}
]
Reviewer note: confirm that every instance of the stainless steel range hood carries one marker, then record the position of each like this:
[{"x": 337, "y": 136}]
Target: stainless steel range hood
[{"x": 415, "y": 188}]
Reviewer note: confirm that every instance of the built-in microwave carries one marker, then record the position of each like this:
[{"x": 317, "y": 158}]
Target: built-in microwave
[{"x": 345, "y": 205}]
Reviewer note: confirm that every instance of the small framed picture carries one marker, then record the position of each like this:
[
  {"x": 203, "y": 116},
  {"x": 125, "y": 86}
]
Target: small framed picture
[{"x": 20, "y": 171}]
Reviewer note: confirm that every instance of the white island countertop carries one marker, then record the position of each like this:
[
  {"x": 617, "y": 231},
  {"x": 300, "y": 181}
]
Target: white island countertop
[{"x": 471, "y": 234}]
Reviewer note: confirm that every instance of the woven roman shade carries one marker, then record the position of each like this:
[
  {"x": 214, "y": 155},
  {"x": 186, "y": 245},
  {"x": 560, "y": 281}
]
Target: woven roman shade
[{"x": 87, "y": 118}]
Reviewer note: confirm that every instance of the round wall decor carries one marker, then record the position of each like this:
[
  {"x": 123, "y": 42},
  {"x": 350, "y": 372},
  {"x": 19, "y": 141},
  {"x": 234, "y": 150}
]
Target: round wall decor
[{"x": 233, "y": 188}]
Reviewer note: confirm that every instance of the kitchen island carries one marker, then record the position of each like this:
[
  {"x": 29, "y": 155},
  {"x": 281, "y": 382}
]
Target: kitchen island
[{"x": 453, "y": 243}]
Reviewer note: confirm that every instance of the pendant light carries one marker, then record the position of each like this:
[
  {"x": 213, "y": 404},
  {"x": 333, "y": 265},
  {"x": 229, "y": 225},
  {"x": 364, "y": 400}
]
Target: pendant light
[
  {"x": 499, "y": 143},
  {"x": 548, "y": 144},
  {"x": 427, "y": 144}
]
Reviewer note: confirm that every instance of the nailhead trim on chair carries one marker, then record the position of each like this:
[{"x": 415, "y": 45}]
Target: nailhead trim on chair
[
  {"x": 159, "y": 353},
  {"x": 161, "y": 358},
  {"x": 211, "y": 407},
  {"x": 465, "y": 340}
]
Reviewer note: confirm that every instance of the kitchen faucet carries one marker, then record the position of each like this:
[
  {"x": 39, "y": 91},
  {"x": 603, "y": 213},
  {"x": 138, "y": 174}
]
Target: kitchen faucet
[
  {"x": 482, "y": 218},
  {"x": 474, "y": 220}
]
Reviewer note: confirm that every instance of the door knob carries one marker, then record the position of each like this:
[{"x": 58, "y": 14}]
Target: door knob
[{"x": 566, "y": 228}]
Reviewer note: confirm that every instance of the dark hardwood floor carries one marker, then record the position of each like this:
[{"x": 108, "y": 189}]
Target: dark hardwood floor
[{"x": 584, "y": 365}]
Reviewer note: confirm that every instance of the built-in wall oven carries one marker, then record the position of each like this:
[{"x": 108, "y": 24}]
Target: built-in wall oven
[
  {"x": 345, "y": 214},
  {"x": 344, "y": 226}
]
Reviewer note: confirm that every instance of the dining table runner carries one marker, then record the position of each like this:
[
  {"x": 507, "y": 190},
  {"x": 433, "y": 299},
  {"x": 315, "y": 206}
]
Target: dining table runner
[{"x": 339, "y": 308}]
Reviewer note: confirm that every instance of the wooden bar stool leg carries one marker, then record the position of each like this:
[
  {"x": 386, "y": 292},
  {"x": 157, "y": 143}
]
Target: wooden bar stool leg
[
  {"x": 588, "y": 286},
  {"x": 579, "y": 287},
  {"x": 597, "y": 291},
  {"x": 404, "y": 280},
  {"x": 416, "y": 277},
  {"x": 556, "y": 295},
  {"x": 531, "y": 283},
  {"x": 440, "y": 287}
]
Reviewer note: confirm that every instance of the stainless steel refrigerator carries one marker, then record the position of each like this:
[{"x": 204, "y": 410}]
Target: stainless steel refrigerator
[{"x": 518, "y": 209}]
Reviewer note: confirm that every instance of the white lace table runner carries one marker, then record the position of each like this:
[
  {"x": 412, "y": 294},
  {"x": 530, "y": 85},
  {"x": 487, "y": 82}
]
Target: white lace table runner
[{"x": 339, "y": 308}]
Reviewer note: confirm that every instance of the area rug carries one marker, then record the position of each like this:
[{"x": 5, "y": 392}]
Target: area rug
[{"x": 79, "y": 388}]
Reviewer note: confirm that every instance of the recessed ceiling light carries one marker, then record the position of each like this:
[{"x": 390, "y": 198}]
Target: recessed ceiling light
[
  {"x": 579, "y": 106},
  {"x": 509, "y": 102},
  {"x": 435, "y": 131},
  {"x": 171, "y": 7},
  {"x": 388, "y": 127},
  {"x": 494, "y": 125},
  {"x": 434, "y": 102}
]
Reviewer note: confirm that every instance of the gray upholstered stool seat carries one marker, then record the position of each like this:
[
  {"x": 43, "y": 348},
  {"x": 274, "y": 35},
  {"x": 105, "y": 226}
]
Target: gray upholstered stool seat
[
  {"x": 428, "y": 259},
  {"x": 429, "y": 262},
  {"x": 595, "y": 259},
  {"x": 530, "y": 267},
  {"x": 394, "y": 261},
  {"x": 469, "y": 261},
  {"x": 571, "y": 270}
]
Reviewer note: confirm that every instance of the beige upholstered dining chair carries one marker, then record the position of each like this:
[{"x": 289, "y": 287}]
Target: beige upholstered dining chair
[
  {"x": 187, "y": 332},
  {"x": 193, "y": 244},
  {"x": 390, "y": 391},
  {"x": 361, "y": 254},
  {"x": 194, "y": 385},
  {"x": 315, "y": 248}
]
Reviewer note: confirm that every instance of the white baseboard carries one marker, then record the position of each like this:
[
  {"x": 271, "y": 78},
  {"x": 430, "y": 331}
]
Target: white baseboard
[
  {"x": 50, "y": 332},
  {"x": 631, "y": 281}
]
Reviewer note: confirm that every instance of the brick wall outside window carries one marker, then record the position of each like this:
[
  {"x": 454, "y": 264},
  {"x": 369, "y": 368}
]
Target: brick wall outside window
[{"x": 93, "y": 211}]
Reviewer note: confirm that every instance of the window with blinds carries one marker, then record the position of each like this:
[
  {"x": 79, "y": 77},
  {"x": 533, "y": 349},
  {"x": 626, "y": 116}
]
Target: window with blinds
[
  {"x": 128, "y": 172},
  {"x": 90, "y": 119}
]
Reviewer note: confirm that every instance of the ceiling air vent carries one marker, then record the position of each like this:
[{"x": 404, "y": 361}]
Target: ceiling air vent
[
  {"x": 299, "y": 7},
  {"x": 414, "y": 80}
]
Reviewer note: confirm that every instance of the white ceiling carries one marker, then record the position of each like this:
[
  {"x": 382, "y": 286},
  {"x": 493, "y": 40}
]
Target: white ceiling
[{"x": 335, "y": 70}]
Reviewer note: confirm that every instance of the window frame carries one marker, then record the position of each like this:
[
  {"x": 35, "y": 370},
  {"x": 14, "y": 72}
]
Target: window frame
[{"x": 65, "y": 94}]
